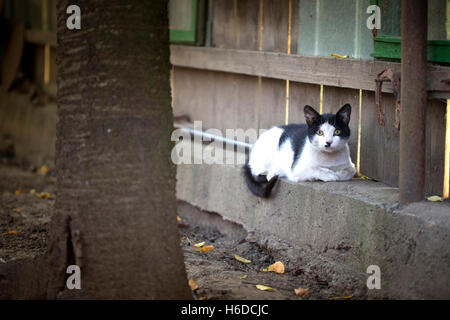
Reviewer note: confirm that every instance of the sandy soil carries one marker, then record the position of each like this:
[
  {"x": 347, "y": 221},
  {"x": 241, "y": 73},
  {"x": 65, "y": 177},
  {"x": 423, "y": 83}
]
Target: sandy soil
[{"x": 24, "y": 221}]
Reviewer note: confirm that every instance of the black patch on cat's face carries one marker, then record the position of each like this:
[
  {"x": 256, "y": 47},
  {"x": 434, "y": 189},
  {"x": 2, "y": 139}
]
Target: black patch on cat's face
[{"x": 340, "y": 120}]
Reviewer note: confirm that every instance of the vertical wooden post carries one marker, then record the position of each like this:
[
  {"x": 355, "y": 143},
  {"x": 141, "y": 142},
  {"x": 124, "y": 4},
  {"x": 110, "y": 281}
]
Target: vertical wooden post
[{"x": 413, "y": 100}]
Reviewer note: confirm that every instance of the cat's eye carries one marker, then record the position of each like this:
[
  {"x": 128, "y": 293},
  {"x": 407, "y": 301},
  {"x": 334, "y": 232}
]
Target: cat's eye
[
  {"x": 337, "y": 132},
  {"x": 319, "y": 132}
]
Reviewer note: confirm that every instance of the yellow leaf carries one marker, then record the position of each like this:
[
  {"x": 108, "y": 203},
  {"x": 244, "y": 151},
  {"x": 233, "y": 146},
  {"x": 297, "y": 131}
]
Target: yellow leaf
[
  {"x": 363, "y": 177},
  {"x": 435, "y": 199},
  {"x": 264, "y": 288},
  {"x": 338, "y": 56},
  {"x": 301, "y": 292},
  {"x": 43, "y": 195},
  {"x": 243, "y": 260},
  {"x": 202, "y": 298},
  {"x": 18, "y": 192},
  {"x": 277, "y": 267},
  {"x": 243, "y": 277},
  {"x": 193, "y": 284},
  {"x": 43, "y": 170},
  {"x": 178, "y": 219},
  {"x": 207, "y": 248},
  {"x": 264, "y": 270},
  {"x": 200, "y": 244},
  {"x": 12, "y": 232},
  {"x": 32, "y": 192}
]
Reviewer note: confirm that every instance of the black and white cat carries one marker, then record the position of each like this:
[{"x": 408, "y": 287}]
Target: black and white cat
[{"x": 317, "y": 150}]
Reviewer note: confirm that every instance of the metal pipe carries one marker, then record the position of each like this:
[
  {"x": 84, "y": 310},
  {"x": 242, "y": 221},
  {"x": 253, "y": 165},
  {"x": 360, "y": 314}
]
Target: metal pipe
[
  {"x": 211, "y": 137},
  {"x": 413, "y": 100}
]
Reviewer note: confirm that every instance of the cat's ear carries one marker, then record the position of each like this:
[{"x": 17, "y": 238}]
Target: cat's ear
[
  {"x": 311, "y": 116},
  {"x": 343, "y": 115}
]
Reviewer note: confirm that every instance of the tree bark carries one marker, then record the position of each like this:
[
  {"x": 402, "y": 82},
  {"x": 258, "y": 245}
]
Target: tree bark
[{"x": 115, "y": 213}]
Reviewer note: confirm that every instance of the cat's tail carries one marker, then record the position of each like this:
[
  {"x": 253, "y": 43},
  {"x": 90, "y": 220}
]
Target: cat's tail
[{"x": 259, "y": 187}]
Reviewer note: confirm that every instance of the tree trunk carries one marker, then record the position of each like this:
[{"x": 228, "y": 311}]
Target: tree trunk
[{"x": 115, "y": 213}]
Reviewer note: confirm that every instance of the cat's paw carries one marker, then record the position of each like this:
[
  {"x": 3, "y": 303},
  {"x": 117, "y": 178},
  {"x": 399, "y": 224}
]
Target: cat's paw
[{"x": 330, "y": 179}]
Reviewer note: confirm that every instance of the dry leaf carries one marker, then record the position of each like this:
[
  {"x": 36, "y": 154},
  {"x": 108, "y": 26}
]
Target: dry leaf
[
  {"x": 243, "y": 260},
  {"x": 43, "y": 170},
  {"x": 200, "y": 244},
  {"x": 17, "y": 210},
  {"x": 43, "y": 195},
  {"x": 178, "y": 219},
  {"x": 12, "y": 232},
  {"x": 193, "y": 284},
  {"x": 435, "y": 199},
  {"x": 18, "y": 192},
  {"x": 264, "y": 288},
  {"x": 301, "y": 292},
  {"x": 363, "y": 177},
  {"x": 277, "y": 267},
  {"x": 32, "y": 192},
  {"x": 207, "y": 248},
  {"x": 202, "y": 298},
  {"x": 243, "y": 277}
]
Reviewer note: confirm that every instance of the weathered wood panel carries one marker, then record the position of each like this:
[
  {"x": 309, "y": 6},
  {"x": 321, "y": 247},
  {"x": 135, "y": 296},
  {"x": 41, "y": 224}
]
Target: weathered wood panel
[
  {"x": 272, "y": 101},
  {"x": 224, "y": 26},
  {"x": 333, "y": 99},
  {"x": 220, "y": 100},
  {"x": 379, "y": 145},
  {"x": 276, "y": 24},
  {"x": 300, "y": 95},
  {"x": 236, "y": 24},
  {"x": 435, "y": 151},
  {"x": 329, "y": 71}
]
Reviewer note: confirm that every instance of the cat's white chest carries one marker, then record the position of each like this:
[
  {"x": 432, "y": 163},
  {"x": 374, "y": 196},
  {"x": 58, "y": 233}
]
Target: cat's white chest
[{"x": 316, "y": 165}]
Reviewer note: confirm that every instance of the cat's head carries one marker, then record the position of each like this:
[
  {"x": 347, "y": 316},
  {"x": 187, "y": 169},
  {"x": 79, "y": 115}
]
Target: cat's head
[{"x": 328, "y": 132}]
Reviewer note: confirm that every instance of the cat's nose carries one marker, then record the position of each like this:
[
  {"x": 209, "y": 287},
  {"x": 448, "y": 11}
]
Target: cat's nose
[{"x": 327, "y": 144}]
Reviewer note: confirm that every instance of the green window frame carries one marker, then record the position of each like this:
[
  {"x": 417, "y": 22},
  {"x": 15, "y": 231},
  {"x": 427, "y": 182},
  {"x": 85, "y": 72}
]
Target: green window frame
[
  {"x": 388, "y": 47},
  {"x": 194, "y": 34}
]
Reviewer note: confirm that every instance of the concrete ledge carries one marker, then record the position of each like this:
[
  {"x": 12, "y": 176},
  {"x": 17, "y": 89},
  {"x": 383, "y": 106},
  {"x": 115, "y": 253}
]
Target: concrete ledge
[{"x": 354, "y": 224}]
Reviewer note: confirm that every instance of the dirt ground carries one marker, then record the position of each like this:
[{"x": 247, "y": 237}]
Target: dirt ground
[
  {"x": 24, "y": 216},
  {"x": 26, "y": 206}
]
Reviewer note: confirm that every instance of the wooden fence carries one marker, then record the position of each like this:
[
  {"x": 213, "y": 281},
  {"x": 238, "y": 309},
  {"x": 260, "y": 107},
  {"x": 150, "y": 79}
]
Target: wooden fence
[{"x": 251, "y": 77}]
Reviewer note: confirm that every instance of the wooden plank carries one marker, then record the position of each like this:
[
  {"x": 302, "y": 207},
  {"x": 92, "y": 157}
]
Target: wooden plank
[
  {"x": 272, "y": 102},
  {"x": 346, "y": 73},
  {"x": 236, "y": 24},
  {"x": 276, "y": 23},
  {"x": 224, "y": 26},
  {"x": 220, "y": 100},
  {"x": 435, "y": 148},
  {"x": 300, "y": 95},
  {"x": 295, "y": 27},
  {"x": 247, "y": 24},
  {"x": 379, "y": 145},
  {"x": 333, "y": 99}
]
